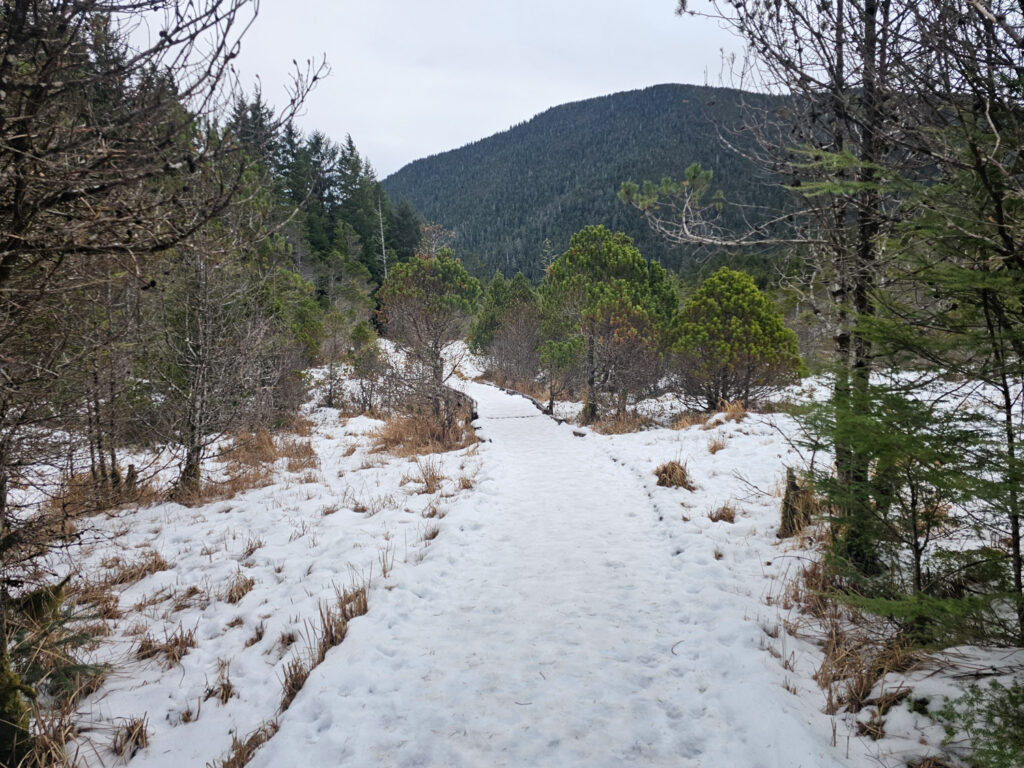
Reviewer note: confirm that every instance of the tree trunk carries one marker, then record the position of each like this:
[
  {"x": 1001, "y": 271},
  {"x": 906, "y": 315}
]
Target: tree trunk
[{"x": 590, "y": 406}]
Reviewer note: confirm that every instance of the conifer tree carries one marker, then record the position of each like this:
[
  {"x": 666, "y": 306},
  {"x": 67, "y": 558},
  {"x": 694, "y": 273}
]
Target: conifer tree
[
  {"x": 730, "y": 343},
  {"x": 603, "y": 291},
  {"x": 426, "y": 304}
]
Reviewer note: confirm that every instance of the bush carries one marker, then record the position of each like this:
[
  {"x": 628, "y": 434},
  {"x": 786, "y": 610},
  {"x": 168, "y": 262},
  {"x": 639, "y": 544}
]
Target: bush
[
  {"x": 993, "y": 721},
  {"x": 730, "y": 342}
]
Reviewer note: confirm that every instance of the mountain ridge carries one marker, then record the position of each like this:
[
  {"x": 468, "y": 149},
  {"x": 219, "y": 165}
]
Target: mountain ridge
[{"x": 514, "y": 198}]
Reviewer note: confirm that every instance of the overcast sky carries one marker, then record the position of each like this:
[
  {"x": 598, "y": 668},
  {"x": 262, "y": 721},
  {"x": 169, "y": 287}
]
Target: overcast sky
[{"x": 410, "y": 78}]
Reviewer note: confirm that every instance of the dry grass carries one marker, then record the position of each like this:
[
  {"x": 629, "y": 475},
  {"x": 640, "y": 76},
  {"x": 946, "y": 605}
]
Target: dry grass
[
  {"x": 223, "y": 689},
  {"x": 296, "y": 672},
  {"x": 734, "y": 411},
  {"x": 419, "y": 435},
  {"x": 104, "y": 602},
  {"x": 52, "y": 729},
  {"x": 430, "y": 532},
  {"x": 350, "y": 450},
  {"x": 718, "y": 554},
  {"x": 81, "y": 494},
  {"x": 620, "y": 423},
  {"x": 428, "y": 472},
  {"x": 148, "y": 563},
  {"x": 859, "y": 649},
  {"x": 251, "y": 545},
  {"x": 300, "y": 454},
  {"x": 130, "y": 736},
  {"x": 672, "y": 474},
  {"x": 257, "y": 635},
  {"x": 173, "y": 648},
  {"x": 715, "y": 444},
  {"x": 323, "y": 634},
  {"x": 241, "y": 478},
  {"x": 189, "y": 597},
  {"x": 374, "y": 505},
  {"x": 244, "y": 750},
  {"x": 299, "y": 425},
  {"x": 386, "y": 558},
  {"x": 251, "y": 449},
  {"x": 532, "y": 388},
  {"x": 723, "y": 514},
  {"x": 688, "y": 419},
  {"x": 239, "y": 586}
]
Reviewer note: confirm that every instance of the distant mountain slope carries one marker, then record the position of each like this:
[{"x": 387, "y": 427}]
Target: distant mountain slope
[{"x": 552, "y": 175}]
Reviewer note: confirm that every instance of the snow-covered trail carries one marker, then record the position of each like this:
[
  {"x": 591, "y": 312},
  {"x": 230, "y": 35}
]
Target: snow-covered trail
[{"x": 550, "y": 624}]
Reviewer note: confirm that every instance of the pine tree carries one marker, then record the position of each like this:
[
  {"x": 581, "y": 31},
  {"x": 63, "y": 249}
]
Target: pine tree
[
  {"x": 730, "y": 343},
  {"x": 602, "y": 290}
]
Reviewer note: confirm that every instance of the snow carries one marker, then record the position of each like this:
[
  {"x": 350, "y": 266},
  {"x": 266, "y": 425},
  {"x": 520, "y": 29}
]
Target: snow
[{"x": 570, "y": 612}]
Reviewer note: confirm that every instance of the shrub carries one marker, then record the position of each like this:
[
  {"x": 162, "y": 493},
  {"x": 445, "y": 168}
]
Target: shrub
[
  {"x": 730, "y": 343},
  {"x": 992, "y": 720},
  {"x": 672, "y": 474}
]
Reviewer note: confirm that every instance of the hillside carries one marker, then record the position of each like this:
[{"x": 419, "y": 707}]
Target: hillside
[
  {"x": 473, "y": 607},
  {"x": 546, "y": 178}
]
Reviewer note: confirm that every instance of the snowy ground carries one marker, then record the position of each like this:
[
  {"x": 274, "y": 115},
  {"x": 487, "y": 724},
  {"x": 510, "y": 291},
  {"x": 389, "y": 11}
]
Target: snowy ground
[{"x": 569, "y": 612}]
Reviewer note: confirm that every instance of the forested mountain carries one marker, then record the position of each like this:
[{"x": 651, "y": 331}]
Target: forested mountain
[{"x": 523, "y": 192}]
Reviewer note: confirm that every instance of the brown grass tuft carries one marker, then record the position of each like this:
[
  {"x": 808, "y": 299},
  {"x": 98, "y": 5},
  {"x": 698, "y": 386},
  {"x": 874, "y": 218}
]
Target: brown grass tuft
[
  {"x": 688, "y": 419},
  {"x": 97, "y": 595},
  {"x": 300, "y": 454},
  {"x": 238, "y": 587},
  {"x": 82, "y": 494},
  {"x": 724, "y": 514},
  {"x": 429, "y": 473},
  {"x": 418, "y": 435},
  {"x": 149, "y": 562},
  {"x": 715, "y": 444},
  {"x": 323, "y": 634},
  {"x": 251, "y": 449},
  {"x": 131, "y": 736},
  {"x": 241, "y": 478},
  {"x": 223, "y": 689},
  {"x": 244, "y": 750},
  {"x": 734, "y": 411},
  {"x": 299, "y": 425},
  {"x": 620, "y": 423},
  {"x": 296, "y": 672},
  {"x": 257, "y": 635},
  {"x": 672, "y": 474},
  {"x": 251, "y": 545},
  {"x": 190, "y": 596},
  {"x": 52, "y": 729},
  {"x": 173, "y": 648}
]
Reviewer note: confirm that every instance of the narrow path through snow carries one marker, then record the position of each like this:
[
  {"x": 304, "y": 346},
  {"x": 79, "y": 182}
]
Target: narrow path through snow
[{"x": 548, "y": 625}]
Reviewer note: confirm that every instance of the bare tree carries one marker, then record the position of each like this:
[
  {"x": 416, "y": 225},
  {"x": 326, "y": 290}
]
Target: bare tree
[{"x": 107, "y": 151}]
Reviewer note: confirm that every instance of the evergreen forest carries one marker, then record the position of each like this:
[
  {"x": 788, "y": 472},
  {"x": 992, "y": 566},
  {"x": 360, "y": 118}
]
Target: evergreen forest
[{"x": 514, "y": 199}]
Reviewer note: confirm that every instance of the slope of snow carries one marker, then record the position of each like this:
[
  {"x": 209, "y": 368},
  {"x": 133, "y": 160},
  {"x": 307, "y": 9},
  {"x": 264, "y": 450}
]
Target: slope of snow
[
  {"x": 569, "y": 613},
  {"x": 569, "y": 616}
]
